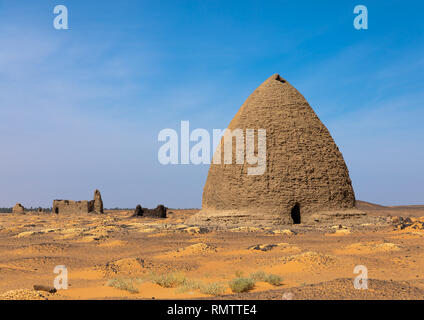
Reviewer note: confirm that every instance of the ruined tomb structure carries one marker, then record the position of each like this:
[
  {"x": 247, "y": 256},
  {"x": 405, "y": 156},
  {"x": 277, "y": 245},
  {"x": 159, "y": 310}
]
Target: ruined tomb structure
[
  {"x": 18, "y": 208},
  {"x": 158, "y": 212},
  {"x": 306, "y": 178},
  {"x": 84, "y": 206}
]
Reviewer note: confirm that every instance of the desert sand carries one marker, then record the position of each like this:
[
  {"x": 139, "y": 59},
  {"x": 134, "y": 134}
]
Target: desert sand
[{"x": 117, "y": 256}]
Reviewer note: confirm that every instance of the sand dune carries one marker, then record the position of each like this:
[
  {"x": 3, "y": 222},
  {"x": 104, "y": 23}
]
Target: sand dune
[{"x": 113, "y": 256}]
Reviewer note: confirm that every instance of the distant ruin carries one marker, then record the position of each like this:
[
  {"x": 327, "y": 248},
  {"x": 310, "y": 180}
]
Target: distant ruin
[
  {"x": 84, "y": 206},
  {"x": 158, "y": 212},
  {"x": 18, "y": 208},
  {"x": 98, "y": 202}
]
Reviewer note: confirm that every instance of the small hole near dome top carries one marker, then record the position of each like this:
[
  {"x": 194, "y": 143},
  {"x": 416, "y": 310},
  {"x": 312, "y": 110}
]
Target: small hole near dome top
[{"x": 278, "y": 78}]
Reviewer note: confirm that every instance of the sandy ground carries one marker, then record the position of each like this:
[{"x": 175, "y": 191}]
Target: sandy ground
[{"x": 314, "y": 261}]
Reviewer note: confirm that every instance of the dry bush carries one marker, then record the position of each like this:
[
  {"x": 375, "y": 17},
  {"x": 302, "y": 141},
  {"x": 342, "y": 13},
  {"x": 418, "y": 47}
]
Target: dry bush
[
  {"x": 239, "y": 285},
  {"x": 122, "y": 284},
  {"x": 170, "y": 280},
  {"x": 190, "y": 285},
  {"x": 273, "y": 279},
  {"x": 213, "y": 289},
  {"x": 258, "y": 276}
]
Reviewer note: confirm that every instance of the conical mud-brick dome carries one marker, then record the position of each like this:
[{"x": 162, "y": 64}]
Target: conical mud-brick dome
[
  {"x": 18, "y": 208},
  {"x": 305, "y": 179}
]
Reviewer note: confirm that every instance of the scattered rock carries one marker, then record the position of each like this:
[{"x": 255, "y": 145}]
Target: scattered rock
[
  {"x": 408, "y": 224},
  {"x": 27, "y": 234},
  {"x": 286, "y": 232},
  {"x": 408, "y": 220},
  {"x": 195, "y": 230},
  {"x": 40, "y": 287},
  {"x": 25, "y": 294},
  {"x": 396, "y": 220},
  {"x": 263, "y": 247},
  {"x": 181, "y": 226},
  {"x": 339, "y": 227},
  {"x": 342, "y": 231},
  {"x": 245, "y": 229}
]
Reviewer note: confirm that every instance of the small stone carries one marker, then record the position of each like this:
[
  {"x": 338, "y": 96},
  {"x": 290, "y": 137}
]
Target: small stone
[
  {"x": 263, "y": 247},
  {"x": 39, "y": 287},
  {"x": 196, "y": 230},
  {"x": 286, "y": 232}
]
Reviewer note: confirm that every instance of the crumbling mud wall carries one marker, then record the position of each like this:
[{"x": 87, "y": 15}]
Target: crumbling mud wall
[
  {"x": 70, "y": 206},
  {"x": 158, "y": 212},
  {"x": 84, "y": 206},
  {"x": 98, "y": 202}
]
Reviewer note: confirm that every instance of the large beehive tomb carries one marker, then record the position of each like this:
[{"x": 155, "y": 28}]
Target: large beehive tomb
[{"x": 305, "y": 179}]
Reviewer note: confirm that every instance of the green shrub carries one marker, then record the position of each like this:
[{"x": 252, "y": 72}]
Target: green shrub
[
  {"x": 122, "y": 284},
  {"x": 239, "y": 285}
]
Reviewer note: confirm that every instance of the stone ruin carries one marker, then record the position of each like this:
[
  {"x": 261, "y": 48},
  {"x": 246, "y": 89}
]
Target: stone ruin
[
  {"x": 98, "y": 202},
  {"x": 18, "y": 208},
  {"x": 158, "y": 212},
  {"x": 306, "y": 178},
  {"x": 84, "y": 206}
]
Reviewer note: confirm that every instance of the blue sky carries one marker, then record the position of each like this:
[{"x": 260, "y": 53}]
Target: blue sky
[{"x": 81, "y": 108}]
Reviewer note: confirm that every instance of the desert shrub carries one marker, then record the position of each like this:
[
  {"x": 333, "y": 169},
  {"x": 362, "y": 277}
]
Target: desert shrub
[
  {"x": 189, "y": 285},
  {"x": 214, "y": 288},
  {"x": 241, "y": 284},
  {"x": 169, "y": 280},
  {"x": 258, "y": 276},
  {"x": 139, "y": 280},
  {"x": 273, "y": 279},
  {"x": 122, "y": 284}
]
